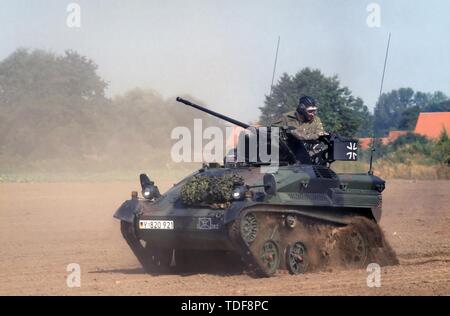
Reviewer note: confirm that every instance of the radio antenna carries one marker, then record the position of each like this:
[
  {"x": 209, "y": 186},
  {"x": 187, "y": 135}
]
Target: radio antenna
[
  {"x": 381, "y": 91},
  {"x": 274, "y": 66}
]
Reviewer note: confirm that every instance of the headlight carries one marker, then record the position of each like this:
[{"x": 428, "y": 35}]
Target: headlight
[
  {"x": 239, "y": 193},
  {"x": 380, "y": 187},
  {"x": 150, "y": 192}
]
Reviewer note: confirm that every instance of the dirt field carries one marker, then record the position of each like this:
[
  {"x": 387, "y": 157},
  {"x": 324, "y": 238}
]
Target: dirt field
[{"x": 45, "y": 227}]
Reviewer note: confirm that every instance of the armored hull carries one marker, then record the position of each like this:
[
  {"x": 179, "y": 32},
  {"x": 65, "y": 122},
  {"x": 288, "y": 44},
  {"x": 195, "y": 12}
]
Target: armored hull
[{"x": 310, "y": 208}]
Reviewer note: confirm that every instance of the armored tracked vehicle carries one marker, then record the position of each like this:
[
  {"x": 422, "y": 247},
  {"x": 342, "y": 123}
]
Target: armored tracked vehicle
[{"x": 299, "y": 217}]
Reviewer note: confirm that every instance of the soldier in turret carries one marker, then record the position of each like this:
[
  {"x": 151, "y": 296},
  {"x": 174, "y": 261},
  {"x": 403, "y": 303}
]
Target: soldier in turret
[{"x": 304, "y": 121}]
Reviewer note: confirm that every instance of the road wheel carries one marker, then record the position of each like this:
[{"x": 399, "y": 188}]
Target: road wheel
[
  {"x": 353, "y": 247},
  {"x": 269, "y": 258},
  {"x": 297, "y": 258}
]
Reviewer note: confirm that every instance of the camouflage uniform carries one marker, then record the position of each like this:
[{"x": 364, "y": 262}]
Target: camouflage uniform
[{"x": 303, "y": 130}]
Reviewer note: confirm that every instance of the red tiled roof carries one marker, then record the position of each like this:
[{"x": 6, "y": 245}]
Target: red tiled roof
[
  {"x": 432, "y": 124},
  {"x": 364, "y": 143},
  {"x": 393, "y": 135}
]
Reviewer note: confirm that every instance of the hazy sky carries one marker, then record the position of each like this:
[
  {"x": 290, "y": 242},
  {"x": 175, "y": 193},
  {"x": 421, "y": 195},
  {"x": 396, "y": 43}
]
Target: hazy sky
[{"x": 222, "y": 52}]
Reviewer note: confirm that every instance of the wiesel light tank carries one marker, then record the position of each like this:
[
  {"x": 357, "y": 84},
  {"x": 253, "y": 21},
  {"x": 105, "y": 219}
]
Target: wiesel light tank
[{"x": 299, "y": 218}]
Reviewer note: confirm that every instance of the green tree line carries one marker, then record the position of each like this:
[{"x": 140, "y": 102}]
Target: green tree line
[
  {"x": 339, "y": 110},
  {"x": 346, "y": 114},
  {"x": 54, "y": 115},
  {"x": 399, "y": 109},
  {"x": 54, "y": 112}
]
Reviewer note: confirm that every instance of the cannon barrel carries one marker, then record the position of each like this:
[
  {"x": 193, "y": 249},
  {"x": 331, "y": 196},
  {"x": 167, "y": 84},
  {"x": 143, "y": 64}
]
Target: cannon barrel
[{"x": 221, "y": 116}]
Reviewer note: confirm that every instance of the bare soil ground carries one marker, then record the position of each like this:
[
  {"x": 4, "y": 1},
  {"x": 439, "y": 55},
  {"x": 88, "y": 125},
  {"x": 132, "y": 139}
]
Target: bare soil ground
[{"x": 44, "y": 227}]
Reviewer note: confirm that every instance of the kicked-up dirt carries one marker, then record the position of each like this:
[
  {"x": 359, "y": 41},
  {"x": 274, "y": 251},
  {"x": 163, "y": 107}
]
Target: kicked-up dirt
[{"x": 44, "y": 227}]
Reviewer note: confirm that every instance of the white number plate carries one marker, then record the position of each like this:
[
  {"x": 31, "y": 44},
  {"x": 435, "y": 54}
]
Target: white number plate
[{"x": 155, "y": 224}]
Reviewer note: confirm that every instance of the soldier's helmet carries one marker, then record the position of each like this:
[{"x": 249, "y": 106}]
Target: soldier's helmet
[{"x": 305, "y": 104}]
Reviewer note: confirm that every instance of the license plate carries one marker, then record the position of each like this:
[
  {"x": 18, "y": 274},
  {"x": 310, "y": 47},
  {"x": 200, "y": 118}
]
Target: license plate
[{"x": 155, "y": 224}]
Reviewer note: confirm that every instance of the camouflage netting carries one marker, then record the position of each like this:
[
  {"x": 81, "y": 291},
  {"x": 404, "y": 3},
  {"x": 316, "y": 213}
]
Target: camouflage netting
[{"x": 210, "y": 190}]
